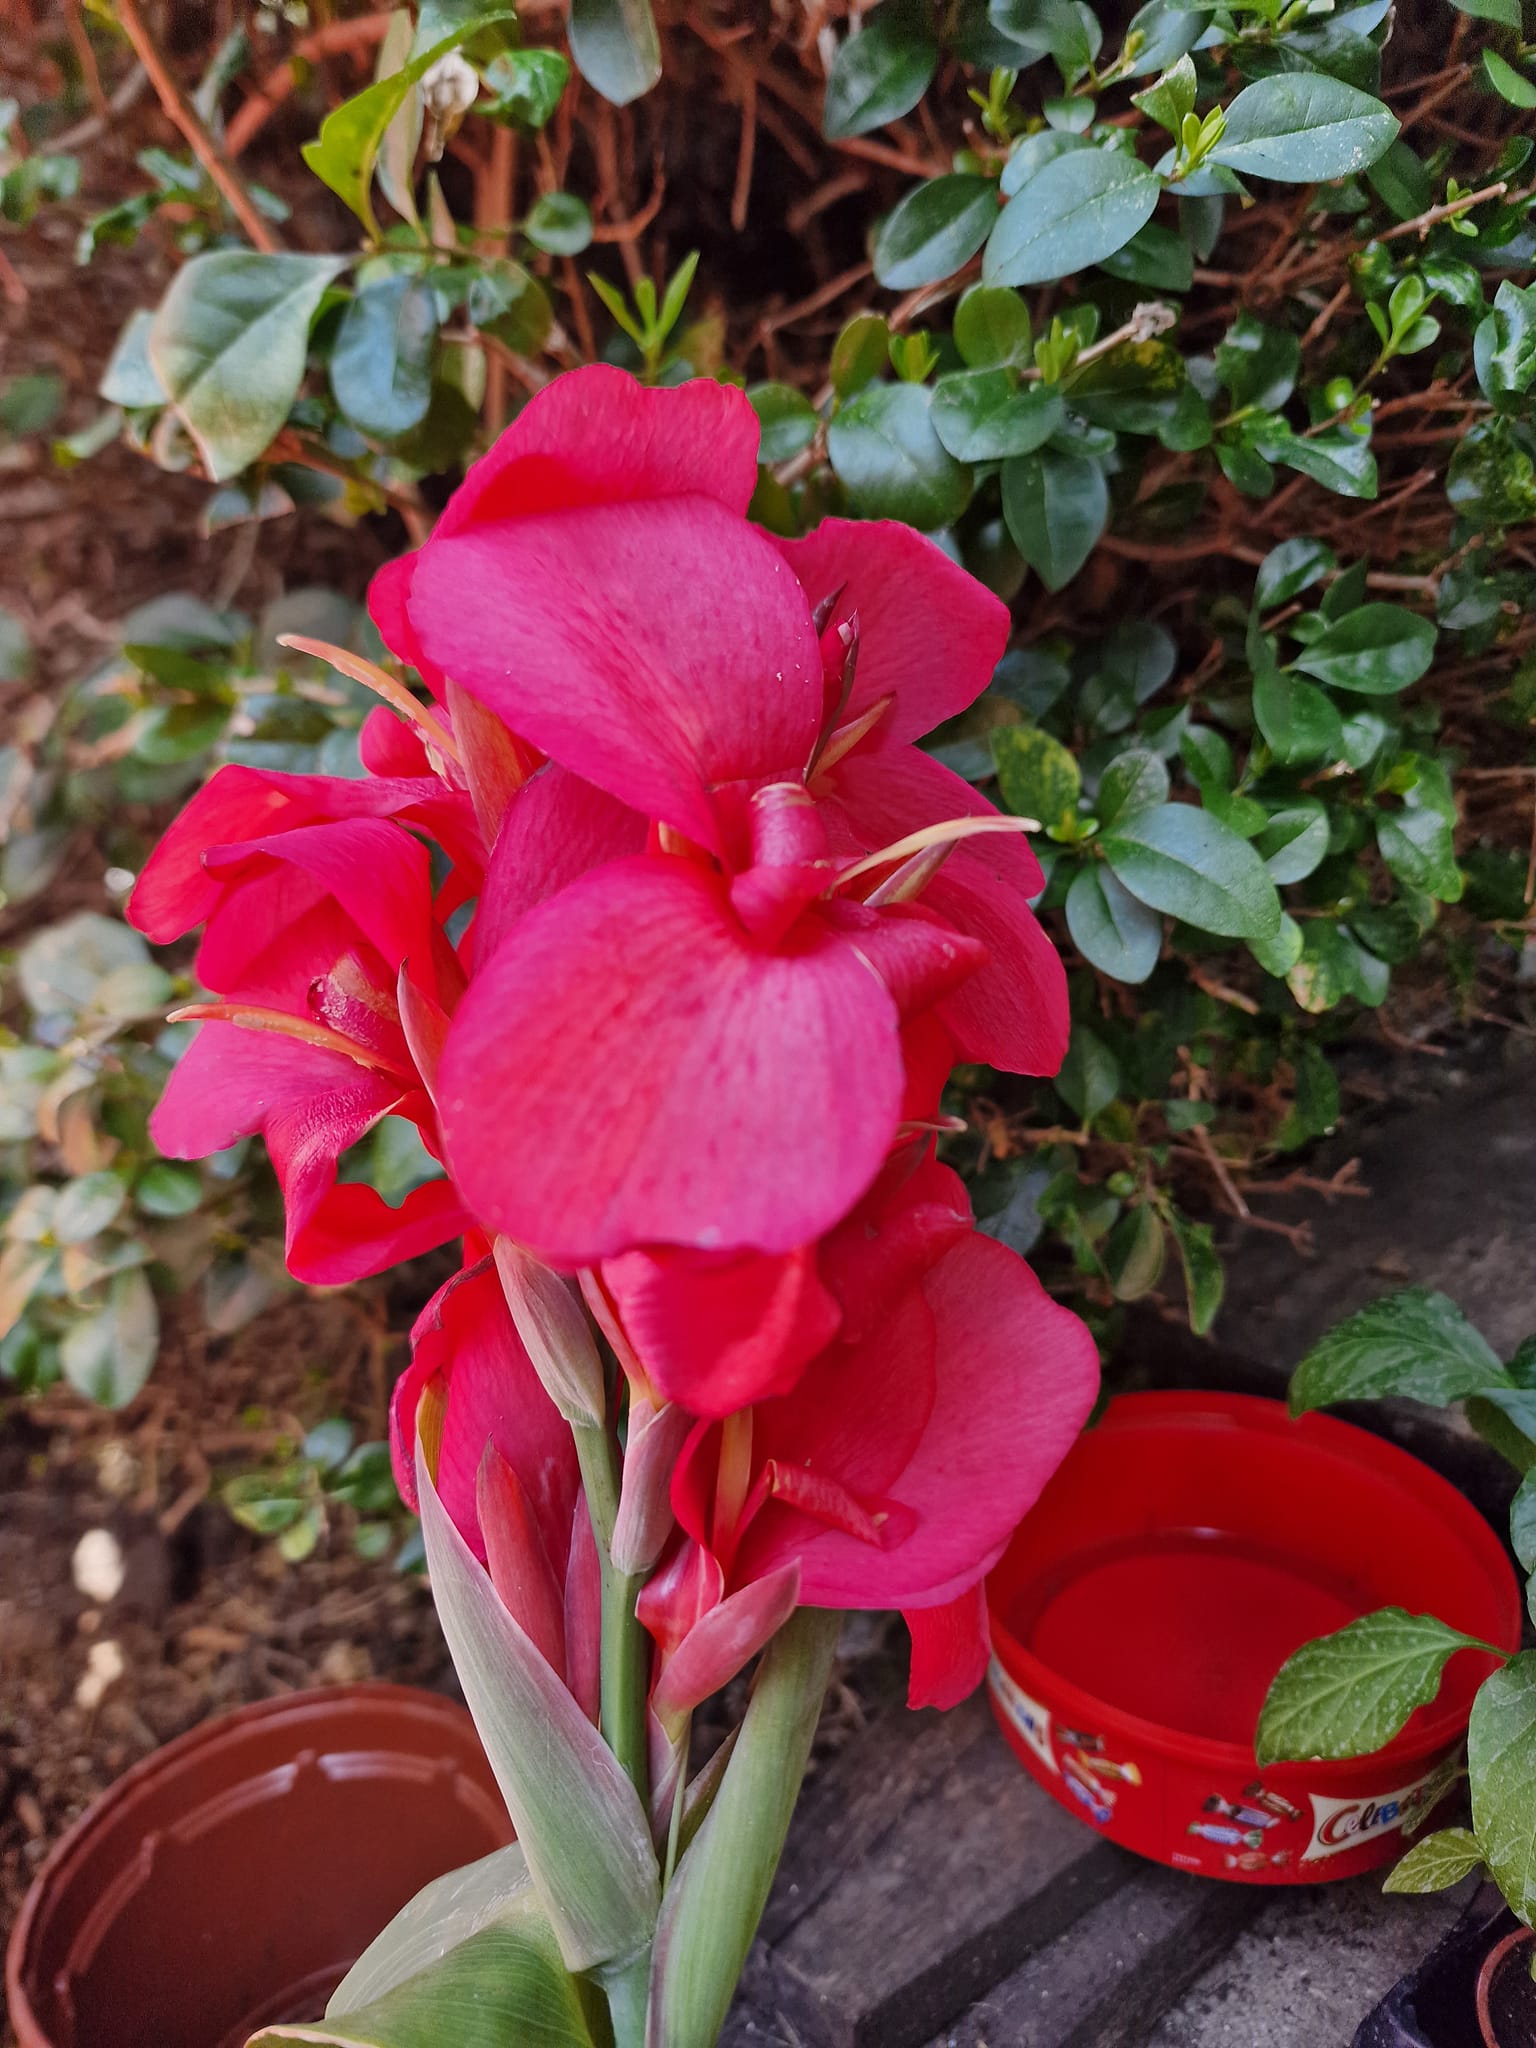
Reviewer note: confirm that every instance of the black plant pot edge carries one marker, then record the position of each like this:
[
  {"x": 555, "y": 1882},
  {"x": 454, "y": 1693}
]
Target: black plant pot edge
[{"x": 1434, "y": 2006}]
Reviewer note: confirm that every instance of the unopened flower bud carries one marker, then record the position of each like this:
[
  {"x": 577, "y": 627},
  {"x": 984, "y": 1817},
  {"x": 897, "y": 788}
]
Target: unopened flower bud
[
  {"x": 555, "y": 1334},
  {"x": 448, "y": 91}
]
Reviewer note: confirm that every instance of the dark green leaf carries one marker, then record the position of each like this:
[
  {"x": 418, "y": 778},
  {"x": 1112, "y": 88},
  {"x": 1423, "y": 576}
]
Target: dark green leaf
[
  {"x": 1507, "y": 82},
  {"x": 1296, "y": 719},
  {"x": 1089, "y": 1079},
  {"x": 1110, "y": 928},
  {"x": 1522, "y": 1523},
  {"x": 1182, "y": 861},
  {"x": 559, "y": 223},
  {"x": 1291, "y": 567},
  {"x": 1056, "y": 506},
  {"x": 1375, "y": 651},
  {"x": 108, "y": 1355},
  {"x": 881, "y": 72},
  {"x": 615, "y": 47},
  {"x": 1081, "y": 208},
  {"x": 985, "y": 416},
  {"x": 1418, "y": 845},
  {"x": 1414, "y": 1344},
  {"x": 1131, "y": 782},
  {"x": 1504, "y": 347},
  {"x": 885, "y": 450},
  {"x": 1258, "y": 364},
  {"x": 936, "y": 229},
  {"x": 1156, "y": 257},
  {"x": 992, "y": 330},
  {"x": 228, "y": 343},
  {"x": 1348, "y": 1694},
  {"x": 1303, "y": 127},
  {"x": 381, "y": 363},
  {"x": 1171, "y": 98},
  {"x": 166, "y": 1188},
  {"x": 1501, "y": 1765},
  {"x": 1167, "y": 29},
  {"x": 1295, "y": 839},
  {"x": 1403, "y": 182},
  {"x": 526, "y": 86},
  {"x": 1134, "y": 1253},
  {"x": 1204, "y": 1279},
  {"x": 788, "y": 421},
  {"x": 859, "y": 354}
]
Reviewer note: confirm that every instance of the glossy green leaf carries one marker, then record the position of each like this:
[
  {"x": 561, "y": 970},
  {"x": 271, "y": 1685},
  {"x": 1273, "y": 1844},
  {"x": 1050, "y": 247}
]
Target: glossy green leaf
[
  {"x": 935, "y": 230},
  {"x": 1056, "y": 506},
  {"x": 1295, "y": 840},
  {"x": 1171, "y": 98},
  {"x": 1131, "y": 782},
  {"x": 525, "y": 87},
  {"x": 1181, "y": 860},
  {"x": 787, "y": 418},
  {"x": 1110, "y": 928},
  {"x": 1037, "y": 777},
  {"x": 992, "y": 328},
  {"x": 1348, "y": 1694},
  {"x": 1302, "y": 127},
  {"x": 1298, "y": 721},
  {"x": 108, "y": 1355},
  {"x": 1414, "y": 1344},
  {"x": 1437, "y": 1862},
  {"x": 1166, "y": 29},
  {"x": 1258, "y": 364},
  {"x": 168, "y": 1188},
  {"x": 1501, "y": 1765},
  {"x": 228, "y": 343},
  {"x": 501, "y": 1988},
  {"x": 1375, "y": 651},
  {"x": 1089, "y": 1079},
  {"x": 1419, "y": 847},
  {"x": 1157, "y": 257},
  {"x": 1505, "y": 12},
  {"x": 578, "y": 1818},
  {"x": 985, "y": 416},
  {"x": 1287, "y": 570},
  {"x": 381, "y": 362},
  {"x": 559, "y": 224},
  {"x": 1081, "y": 208},
  {"x": 1504, "y": 347},
  {"x": 881, "y": 72},
  {"x": 615, "y": 47},
  {"x": 859, "y": 354},
  {"x": 1204, "y": 1278},
  {"x": 1279, "y": 952},
  {"x": 884, "y": 448},
  {"x": 1507, "y": 82},
  {"x": 1134, "y": 1254},
  {"x": 343, "y": 154}
]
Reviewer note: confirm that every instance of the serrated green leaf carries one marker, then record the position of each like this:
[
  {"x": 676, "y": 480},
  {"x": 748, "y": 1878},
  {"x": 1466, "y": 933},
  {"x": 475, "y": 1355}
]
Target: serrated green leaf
[
  {"x": 1080, "y": 208},
  {"x": 935, "y": 230},
  {"x": 1181, "y": 860},
  {"x": 1414, "y": 1344},
  {"x": 1347, "y": 1694},
  {"x": 1501, "y": 1765},
  {"x": 884, "y": 448},
  {"x": 1110, "y": 928},
  {"x": 1303, "y": 127},
  {"x": 1440, "y": 1860},
  {"x": 228, "y": 343}
]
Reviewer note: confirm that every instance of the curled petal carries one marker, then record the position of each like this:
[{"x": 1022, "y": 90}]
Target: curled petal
[
  {"x": 949, "y": 1649},
  {"x": 721, "y": 1642},
  {"x": 929, "y": 635},
  {"x": 517, "y": 1559}
]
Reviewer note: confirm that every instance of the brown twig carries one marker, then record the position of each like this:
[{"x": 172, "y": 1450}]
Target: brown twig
[{"x": 186, "y": 117}]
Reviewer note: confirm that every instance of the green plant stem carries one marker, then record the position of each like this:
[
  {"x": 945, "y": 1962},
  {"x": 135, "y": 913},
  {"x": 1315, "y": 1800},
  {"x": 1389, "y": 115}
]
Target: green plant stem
[
  {"x": 625, "y": 1645},
  {"x": 628, "y": 1991}
]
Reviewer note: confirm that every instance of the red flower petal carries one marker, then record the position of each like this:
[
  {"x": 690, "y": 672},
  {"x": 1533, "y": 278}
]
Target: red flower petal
[
  {"x": 657, "y": 649},
  {"x": 949, "y": 1649},
  {"x": 652, "y": 1077},
  {"x": 555, "y": 829},
  {"x": 930, "y": 635}
]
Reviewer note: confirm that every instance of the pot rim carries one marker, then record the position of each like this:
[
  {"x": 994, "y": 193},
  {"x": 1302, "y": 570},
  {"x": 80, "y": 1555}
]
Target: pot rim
[{"x": 217, "y": 1729}]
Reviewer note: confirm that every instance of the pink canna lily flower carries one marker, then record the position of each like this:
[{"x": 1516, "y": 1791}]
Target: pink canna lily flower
[
  {"x": 896, "y": 1470},
  {"x": 333, "y": 981},
  {"x": 746, "y": 897}
]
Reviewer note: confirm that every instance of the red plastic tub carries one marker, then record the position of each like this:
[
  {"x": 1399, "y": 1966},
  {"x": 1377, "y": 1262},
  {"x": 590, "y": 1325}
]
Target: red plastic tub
[{"x": 1188, "y": 1544}]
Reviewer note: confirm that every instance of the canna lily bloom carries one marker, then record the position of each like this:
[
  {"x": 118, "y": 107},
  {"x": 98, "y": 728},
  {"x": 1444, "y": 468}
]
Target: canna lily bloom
[
  {"x": 894, "y": 1473},
  {"x": 333, "y": 980},
  {"x": 772, "y": 882},
  {"x": 504, "y": 1464}
]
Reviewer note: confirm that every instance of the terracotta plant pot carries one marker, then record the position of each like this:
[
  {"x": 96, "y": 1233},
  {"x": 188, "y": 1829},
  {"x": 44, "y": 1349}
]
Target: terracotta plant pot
[
  {"x": 1473, "y": 1990},
  {"x": 231, "y": 1879}
]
